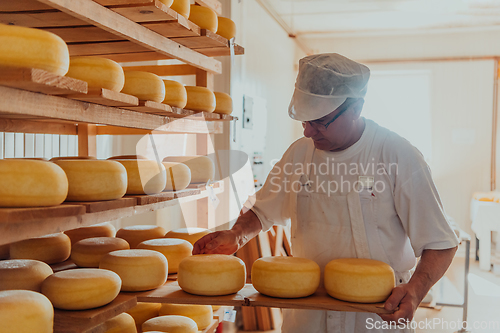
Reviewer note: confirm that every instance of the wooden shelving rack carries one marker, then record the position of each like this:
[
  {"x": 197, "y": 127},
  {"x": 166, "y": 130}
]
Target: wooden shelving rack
[{"x": 35, "y": 101}]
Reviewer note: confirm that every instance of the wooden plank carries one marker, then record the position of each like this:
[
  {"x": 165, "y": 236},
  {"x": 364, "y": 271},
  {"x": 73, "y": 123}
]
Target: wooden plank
[
  {"x": 136, "y": 56},
  {"x": 249, "y": 318},
  {"x": 106, "y": 97},
  {"x": 207, "y": 39},
  {"x": 165, "y": 70},
  {"x": 84, "y": 34},
  {"x": 103, "y": 48},
  {"x": 212, "y": 327},
  {"x": 22, "y": 6},
  {"x": 153, "y": 11},
  {"x": 63, "y": 266},
  {"x": 215, "y": 5},
  {"x": 38, "y": 80},
  {"x": 178, "y": 126},
  {"x": 121, "y": 2},
  {"x": 32, "y": 126},
  {"x": 110, "y": 21},
  {"x": 87, "y": 141},
  {"x": 264, "y": 322},
  {"x": 179, "y": 28},
  {"x": 80, "y": 321},
  {"x": 164, "y": 196},
  {"x": 11, "y": 216},
  {"x": 41, "y": 19},
  {"x": 101, "y": 206},
  {"x": 151, "y": 107},
  {"x": 220, "y": 51}
]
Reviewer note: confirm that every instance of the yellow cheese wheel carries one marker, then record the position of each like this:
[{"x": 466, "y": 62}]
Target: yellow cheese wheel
[
  {"x": 51, "y": 249},
  {"x": 144, "y": 85},
  {"x": 224, "y": 103},
  {"x": 144, "y": 176},
  {"x": 33, "y": 48},
  {"x": 29, "y": 183},
  {"x": 203, "y": 17},
  {"x": 175, "y": 94},
  {"x": 63, "y": 158},
  {"x": 23, "y": 274},
  {"x": 200, "y": 99},
  {"x": 4, "y": 251},
  {"x": 25, "y": 311},
  {"x": 167, "y": 3},
  {"x": 226, "y": 27},
  {"x": 139, "y": 269},
  {"x": 128, "y": 157},
  {"x": 178, "y": 176},
  {"x": 359, "y": 280},
  {"x": 105, "y": 229},
  {"x": 173, "y": 249},
  {"x": 202, "y": 168},
  {"x": 170, "y": 324},
  {"x": 142, "y": 312},
  {"x": 136, "y": 234},
  {"x": 81, "y": 289},
  {"x": 201, "y": 314},
  {"x": 88, "y": 252},
  {"x": 94, "y": 180},
  {"x": 97, "y": 72},
  {"x": 285, "y": 277},
  {"x": 123, "y": 323},
  {"x": 190, "y": 234},
  {"x": 211, "y": 274},
  {"x": 182, "y": 7}
]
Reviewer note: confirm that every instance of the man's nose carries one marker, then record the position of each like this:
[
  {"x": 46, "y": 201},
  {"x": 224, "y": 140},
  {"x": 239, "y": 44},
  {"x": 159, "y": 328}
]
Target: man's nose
[{"x": 309, "y": 130}]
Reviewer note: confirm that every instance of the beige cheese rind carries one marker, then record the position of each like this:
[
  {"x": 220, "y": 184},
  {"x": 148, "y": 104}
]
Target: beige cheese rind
[
  {"x": 144, "y": 85},
  {"x": 200, "y": 99},
  {"x": 142, "y": 312},
  {"x": 226, "y": 27},
  {"x": 89, "y": 252},
  {"x": 97, "y": 72},
  {"x": 182, "y": 7},
  {"x": 175, "y": 94},
  {"x": 136, "y": 234},
  {"x": 203, "y": 17},
  {"x": 202, "y": 168},
  {"x": 201, "y": 314},
  {"x": 192, "y": 235},
  {"x": 105, "y": 229},
  {"x": 223, "y": 103},
  {"x": 123, "y": 323},
  {"x": 173, "y": 249},
  {"x": 144, "y": 176},
  {"x": 170, "y": 324},
  {"x": 178, "y": 176},
  {"x": 23, "y": 274},
  {"x": 51, "y": 249}
]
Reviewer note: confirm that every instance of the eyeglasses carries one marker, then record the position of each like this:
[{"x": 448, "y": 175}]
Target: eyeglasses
[{"x": 323, "y": 127}]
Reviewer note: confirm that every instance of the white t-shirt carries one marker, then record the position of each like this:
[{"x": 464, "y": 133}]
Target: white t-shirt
[{"x": 407, "y": 215}]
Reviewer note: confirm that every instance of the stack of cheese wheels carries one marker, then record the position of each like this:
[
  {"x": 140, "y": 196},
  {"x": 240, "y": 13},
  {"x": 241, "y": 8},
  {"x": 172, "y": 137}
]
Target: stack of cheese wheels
[
  {"x": 144, "y": 85},
  {"x": 30, "y": 183},
  {"x": 190, "y": 234},
  {"x": 51, "y": 249},
  {"x": 25, "y": 311},
  {"x": 33, "y": 48},
  {"x": 223, "y": 103},
  {"x": 178, "y": 176},
  {"x": 203, "y": 17},
  {"x": 136, "y": 234},
  {"x": 81, "y": 289},
  {"x": 285, "y": 277},
  {"x": 359, "y": 280},
  {"x": 201, "y": 314},
  {"x": 97, "y": 72},
  {"x": 123, "y": 323},
  {"x": 105, "y": 229},
  {"x": 202, "y": 168},
  {"x": 226, "y": 27},
  {"x": 94, "y": 180},
  {"x": 173, "y": 324},
  {"x": 4, "y": 251},
  {"x": 200, "y": 99},
  {"x": 89, "y": 252},
  {"x": 139, "y": 269},
  {"x": 173, "y": 249},
  {"x": 175, "y": 94},
  {"x": 182, "y": 7},
  {"x": 142, "y": 312},
  {"x": 144, "y": 176},
  {"x": 23, "y": 274},
  {"x": 211, "y": 274}
]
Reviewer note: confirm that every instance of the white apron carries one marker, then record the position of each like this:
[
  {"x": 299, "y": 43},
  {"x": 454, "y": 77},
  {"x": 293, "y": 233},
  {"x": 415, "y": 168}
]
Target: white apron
[{"x": 331, "y": 227}]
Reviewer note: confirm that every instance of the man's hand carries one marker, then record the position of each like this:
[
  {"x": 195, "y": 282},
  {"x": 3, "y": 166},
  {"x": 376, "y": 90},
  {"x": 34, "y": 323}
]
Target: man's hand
[
  {"x": 219, "y": 242},
  {"x": 406, "y": 298}
]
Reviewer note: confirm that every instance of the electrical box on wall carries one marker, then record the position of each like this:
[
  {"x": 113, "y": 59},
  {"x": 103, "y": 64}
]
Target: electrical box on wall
[{"x": 247, "y": 112}]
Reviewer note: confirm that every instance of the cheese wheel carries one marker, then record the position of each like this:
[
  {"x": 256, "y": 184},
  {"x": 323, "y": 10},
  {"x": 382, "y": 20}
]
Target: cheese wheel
[
  {"x": 88, "y": 252},
  {"x": 4, "y": 251},
  {"x": 359, "y": 280},
  {"x": 167, "y": 3},
  {"x": 94, "y": 180},
  {"x": 33, "y": 48},
  {"x": 23, "y": 274},
  {"x": 128, "y": 157},
  {"x": 200, "y": 99},
  {"x": 64, "y": 158},
  {"x": 144, "y": 85},
  {"x": 285, "y": 277},
  {"x": 81, "y": 289},
  {"x": 190, "y": 234},
  {"x": 170, "y": 324},
  {"x": 51, "y": 249},
  {"x": 173, "y": 249},
  {"x": 25, "y": 311},
  {"x": 136, "y": 234},
  {"x": 223, "y": 103},
  {"x": 105, "y": 229},
  {"x": 175, "y": 94},
  {"x": 30, "y": 183},
  {"x": 123, "y": 323},
  {"x": 211, "y": 274},
  {"x": 182, "y": 7},
  {"x": 201, "y": 314},
  {"x": 203, "y": 17},
  {"x": 97, "y": 72},
  {"x": 178, "y": 176},
  {"x": 139, "y": 269},
  {"x": 144, "y": 176},
  {"x": 202, "y": 168},
  {"x": 226, "y": 27},
  {"x": 142, "y": 312}
]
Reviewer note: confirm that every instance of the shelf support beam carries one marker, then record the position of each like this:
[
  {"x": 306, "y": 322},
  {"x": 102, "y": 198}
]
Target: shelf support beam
[{"x": 87, "y": 143}]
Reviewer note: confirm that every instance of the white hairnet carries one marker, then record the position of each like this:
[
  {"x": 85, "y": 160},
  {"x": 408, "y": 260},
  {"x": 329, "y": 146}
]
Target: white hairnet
[{"x": 324, "y": 82}]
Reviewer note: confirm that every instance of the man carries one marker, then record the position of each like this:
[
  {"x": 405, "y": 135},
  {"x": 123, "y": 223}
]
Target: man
[{"x": 351, "y": 189}]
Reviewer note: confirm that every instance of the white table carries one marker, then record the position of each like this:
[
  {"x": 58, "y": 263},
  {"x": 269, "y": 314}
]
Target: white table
[{"x": 485, "y": 218}]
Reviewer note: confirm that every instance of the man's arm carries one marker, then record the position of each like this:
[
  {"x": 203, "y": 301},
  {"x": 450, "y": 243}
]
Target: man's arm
[{"x": 431, "y": 267}]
